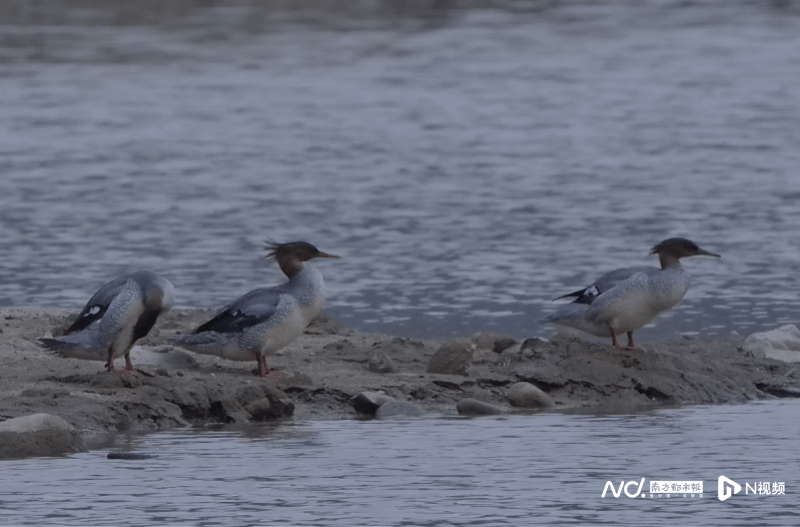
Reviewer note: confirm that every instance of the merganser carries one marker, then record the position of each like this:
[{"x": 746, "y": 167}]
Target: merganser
[
  {"x": 624, "y": 300},
  {"x": 120, "y": 313},
  {"x": 266, "y": 319}
]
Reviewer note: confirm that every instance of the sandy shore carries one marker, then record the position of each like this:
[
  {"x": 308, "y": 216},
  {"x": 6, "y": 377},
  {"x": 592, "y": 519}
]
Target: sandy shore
[{"x": 330, "y": 364}]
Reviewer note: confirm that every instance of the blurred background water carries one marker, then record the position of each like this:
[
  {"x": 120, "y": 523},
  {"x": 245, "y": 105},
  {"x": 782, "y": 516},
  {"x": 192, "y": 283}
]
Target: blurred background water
[{"x": 469, "y": 160}]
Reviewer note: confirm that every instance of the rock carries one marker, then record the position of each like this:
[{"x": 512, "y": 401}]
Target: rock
[
  {"x": 130, "y": 456},
  {"x": 492, "y": 341},
  {"x": 526, "y": 395},
  {"x": 369, "y": 402},
  {"x": 536, "y": 348},
  {"x": 421, "y": 393},
  {"x": 228, "y": 410},
  {"x": 453, "y": 357},
  {"x": 259, "y": 410},
  {"x": 249, "y": 393},
  {"x": 401, "y": 349},
  {"x": 280, "y": 405},
  {"x": 381, "y": 363},
  {"x": 166, "y": 357},
  {"x": 474, "y": 407},
  {"x": 398, "y": 410},
  {"x": 38, "y": 435},
  {"x": 193, "y": 400},
  {"x": 781, "y": 344}
]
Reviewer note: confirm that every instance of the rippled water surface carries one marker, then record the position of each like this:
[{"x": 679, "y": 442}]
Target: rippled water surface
[
  {"x": 468, "y": 167},
  {"x": 535, "y": 470}
]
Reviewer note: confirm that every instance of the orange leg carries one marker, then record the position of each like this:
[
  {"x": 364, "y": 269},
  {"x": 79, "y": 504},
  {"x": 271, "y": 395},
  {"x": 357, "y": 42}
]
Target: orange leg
[
  {"x": 129, "y": 369},
  {"x": 110, "y": 362},
  {"x": 264, "y": 371},
  {"x": 128, "y": 364},
  {"x": 615, "y": 342}
]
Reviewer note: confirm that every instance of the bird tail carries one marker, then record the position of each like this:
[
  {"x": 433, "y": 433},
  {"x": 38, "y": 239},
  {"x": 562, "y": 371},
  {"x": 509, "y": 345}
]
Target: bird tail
[
  {"x": 207, "y": 342},
  {"x": 567, "y": 315},
  {"x": 73, "y": 346},
  {"x": 576, "y": 294}
]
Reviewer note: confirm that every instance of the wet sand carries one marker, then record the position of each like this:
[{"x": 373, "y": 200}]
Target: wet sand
[{"x": 331, "y": 363}]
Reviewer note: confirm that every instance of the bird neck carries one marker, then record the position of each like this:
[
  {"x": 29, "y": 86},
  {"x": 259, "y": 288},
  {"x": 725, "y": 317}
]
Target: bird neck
[
  {"x": 668, "y": 261},
  {"x": 307, "y": 286},
  {"x": 290, "y": 266}
]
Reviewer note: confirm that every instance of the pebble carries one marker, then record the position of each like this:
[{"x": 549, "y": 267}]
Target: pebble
[
  {"x": 38, "y": 435},
  {"x": 475, "y": 407},
  {"x": 781, "y": 344},
  {"x": 129, "y": 455},
  {"x": 259, "y": 410},
  {"x": 493, "y": 341},
  {"x": 526, "y": 395},
  {"x": 381, "y": 363},
  {"x": 369, "y": 402},
  {"x": 452, "y": 357}
]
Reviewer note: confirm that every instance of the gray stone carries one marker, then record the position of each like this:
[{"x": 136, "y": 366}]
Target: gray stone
[
  {"x": 38, "y": 435},
  {"x": 193, "y": 400},
  {"x": 453, "y": 357},
  {"x": 398, "y": 410},
  {"x": 526, "y": 395},
  {"x": 369, "y": 402},
  {"x": 492, "y": 341},
  {"x": 259, "y": 409},
  {"x": 474, "y": 407},
  {"x": 280, "y": 405},
  {"x": 130, "y": 456},
  {"x": 536, "y": 348},
  {"x": 230, "y": 411},
  {"x": 166, "y": 357},
  {"x": 381, "y": 363},
  {"x": 781, "y": 344}
]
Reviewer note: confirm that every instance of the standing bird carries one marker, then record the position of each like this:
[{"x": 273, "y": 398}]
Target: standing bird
[
  {"x": 120, "y": 313},
  {"x": 266, "y": 319},
  {"x": 624, "y": 300}
]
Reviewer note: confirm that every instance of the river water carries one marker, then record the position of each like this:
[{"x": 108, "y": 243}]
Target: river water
[
  {"x": 469, "y": 165},
  {"x": 546, "y": 469}
]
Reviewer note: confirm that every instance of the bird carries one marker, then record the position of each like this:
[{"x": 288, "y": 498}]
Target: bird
[
  {"x": 267, "y": 319},
  {"x": 625, "y": 300},
  {"x": 118, "y": 314}
]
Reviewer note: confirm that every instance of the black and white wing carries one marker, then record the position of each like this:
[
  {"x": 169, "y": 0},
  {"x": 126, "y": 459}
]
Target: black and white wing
[
  {"x": 98, "y": 305},
  {"x": 605, "y": 283},
  {"x": 255, "y": 307}
]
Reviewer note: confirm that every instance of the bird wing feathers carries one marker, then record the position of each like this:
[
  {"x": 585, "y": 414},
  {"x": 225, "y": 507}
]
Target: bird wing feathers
[
  {"x": 607, "y": 282},
  {"x": 98, "y": 305},
  {"x": 255, "y": 307}
]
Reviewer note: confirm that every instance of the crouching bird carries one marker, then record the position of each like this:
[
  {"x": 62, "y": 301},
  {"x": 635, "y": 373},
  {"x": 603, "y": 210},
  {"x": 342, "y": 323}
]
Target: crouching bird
[
  {"x": 120, "y": 313},
  {"x": 625, "y": 300},
  {"x": 265, "y": 320}
]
